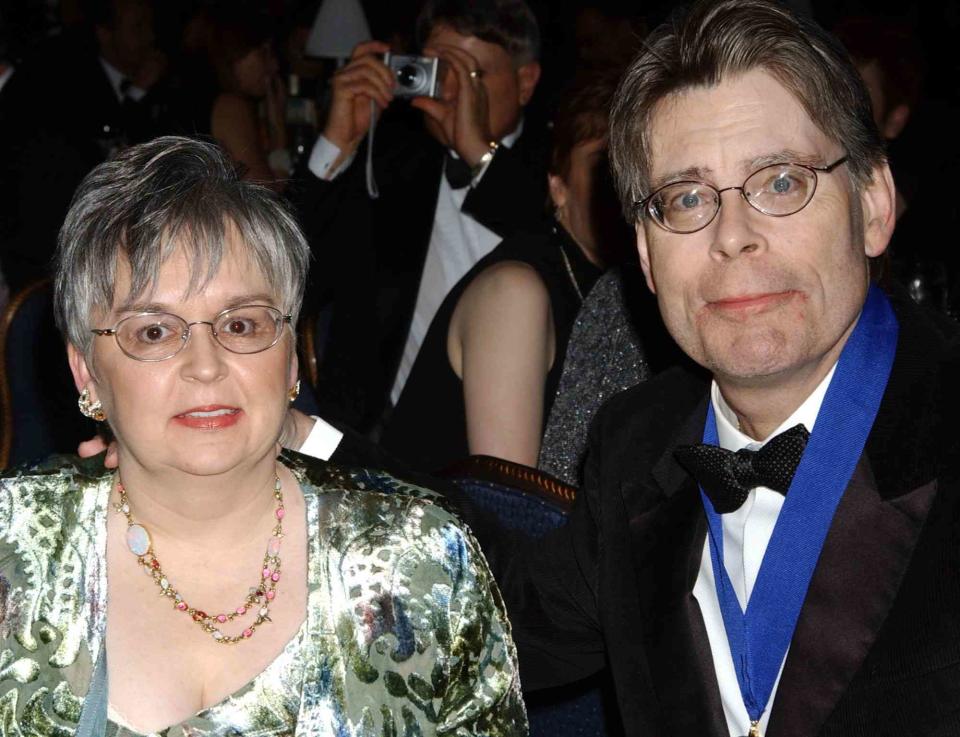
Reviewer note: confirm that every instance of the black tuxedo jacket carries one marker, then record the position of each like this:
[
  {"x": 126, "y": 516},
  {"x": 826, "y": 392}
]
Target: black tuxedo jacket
[
  {"x": 369, "y": 254},
  {"x": 877, "y": 647}
]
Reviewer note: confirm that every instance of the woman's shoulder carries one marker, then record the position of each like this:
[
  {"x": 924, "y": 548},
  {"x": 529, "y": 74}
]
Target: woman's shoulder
[
  {"x": 231, "y": 112},
  {"x": 410, "y": 600},
  {"x": 53, "y": 482},
  {"x": 231, "y": 103},
  {"x": 356, "y": 483},
  {"x": 504, "y": 288},
  {"x": 43, "y": 504},
  {"x": 371, "y": 501}
]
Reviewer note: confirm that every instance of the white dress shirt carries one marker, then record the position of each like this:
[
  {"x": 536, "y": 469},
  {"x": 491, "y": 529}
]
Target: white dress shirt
[
  {"x": 457, "y": 243},
  {"x": 5, "y": 74},
  {"x": 117, "y": 79},
  {"x": 322, "y": 440},
  {"x": 746, "y": 533}
]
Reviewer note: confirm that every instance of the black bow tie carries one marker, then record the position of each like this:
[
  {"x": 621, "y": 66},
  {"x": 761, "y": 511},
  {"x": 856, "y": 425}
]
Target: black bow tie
[
  {"x": 457, "y": 171},
  {"x": 727, "y": 477}
]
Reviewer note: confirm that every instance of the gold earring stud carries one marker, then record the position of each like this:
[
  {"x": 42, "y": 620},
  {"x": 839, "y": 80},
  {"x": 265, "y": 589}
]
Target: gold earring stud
[
  {"x": 93, "y": 410},
  {"x": 294, "y": 392}
]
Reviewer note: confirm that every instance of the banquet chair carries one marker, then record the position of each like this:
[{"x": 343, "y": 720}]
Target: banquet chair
[
  {"x": 38, "y": 411},
  {"x": 532, "y": 502},
  {"x": 23, "y": 429}
]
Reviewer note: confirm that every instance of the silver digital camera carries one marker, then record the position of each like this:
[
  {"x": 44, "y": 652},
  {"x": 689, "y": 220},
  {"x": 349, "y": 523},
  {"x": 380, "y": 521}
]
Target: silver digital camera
[{"x": 416, "y": 76}]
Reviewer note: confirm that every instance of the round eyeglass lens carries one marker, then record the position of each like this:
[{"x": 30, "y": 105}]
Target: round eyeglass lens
[
  {"x": 782, "y": 189},
  {"x": 249, "y": 329},
  {"x": 684, "y": 206},
  {"x": 151, "y": 337}
]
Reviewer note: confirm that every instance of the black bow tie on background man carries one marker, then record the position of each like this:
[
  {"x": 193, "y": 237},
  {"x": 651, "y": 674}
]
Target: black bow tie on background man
[
  {"x": 727, "y": 477},
  {"x": 457, "y": 171}
]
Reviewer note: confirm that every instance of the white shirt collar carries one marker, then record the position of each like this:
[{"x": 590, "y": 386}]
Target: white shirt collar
[
  {"x": 511, "y": 138},
  {"x": 115, "y": 76},
  {"x": 5, "y": 75},
  {"x": 728, "y": 426}
]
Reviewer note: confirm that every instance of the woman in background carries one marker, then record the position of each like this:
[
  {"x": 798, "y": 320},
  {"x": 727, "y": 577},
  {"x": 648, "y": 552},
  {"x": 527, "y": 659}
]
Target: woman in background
[{"x": 237, "y": 96}]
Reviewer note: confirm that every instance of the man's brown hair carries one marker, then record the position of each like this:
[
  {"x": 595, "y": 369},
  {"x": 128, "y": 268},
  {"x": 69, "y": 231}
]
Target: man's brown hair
[{"x": 715, "y": 40}]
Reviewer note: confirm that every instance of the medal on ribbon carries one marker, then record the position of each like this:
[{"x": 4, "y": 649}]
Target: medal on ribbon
[{"x": 760, "y": 636}]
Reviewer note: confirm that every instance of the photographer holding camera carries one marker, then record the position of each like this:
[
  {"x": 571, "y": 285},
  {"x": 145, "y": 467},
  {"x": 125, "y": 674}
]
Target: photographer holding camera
[{"x": 451, "y": 186}]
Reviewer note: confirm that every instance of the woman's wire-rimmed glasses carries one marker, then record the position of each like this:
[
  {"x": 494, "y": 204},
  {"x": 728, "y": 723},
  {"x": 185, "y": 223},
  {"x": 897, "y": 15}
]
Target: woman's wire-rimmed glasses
[
  {"x": 157, "y": 336},
  {"x": 777, "y": 190}
]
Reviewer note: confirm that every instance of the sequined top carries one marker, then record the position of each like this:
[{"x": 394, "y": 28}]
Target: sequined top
[
  {"x": 604, "y": 356},
  {"x": 405, "y": 630}
]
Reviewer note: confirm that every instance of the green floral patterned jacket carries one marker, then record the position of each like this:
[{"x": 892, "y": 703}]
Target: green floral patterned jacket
[{"x": 405, "y": 631}]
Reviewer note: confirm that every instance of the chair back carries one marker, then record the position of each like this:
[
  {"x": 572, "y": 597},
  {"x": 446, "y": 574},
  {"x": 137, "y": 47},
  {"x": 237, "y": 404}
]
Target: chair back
[
  {"x": 522, "y": 498},
  {"x": 533, "y": 502},
  {"x": 38, "y": 412}
]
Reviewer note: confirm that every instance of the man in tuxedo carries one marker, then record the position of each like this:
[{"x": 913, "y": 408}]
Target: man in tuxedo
[
  {"x": 770, "y": 546},
  {"x": 455, "y": 175}
]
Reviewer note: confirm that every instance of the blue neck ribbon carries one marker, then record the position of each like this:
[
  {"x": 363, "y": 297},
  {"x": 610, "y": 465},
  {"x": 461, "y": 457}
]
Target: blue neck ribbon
[{"x": 759, "y": 637}]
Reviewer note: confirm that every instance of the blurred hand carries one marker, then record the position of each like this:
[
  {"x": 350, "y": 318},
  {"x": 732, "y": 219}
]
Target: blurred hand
[
  {"x": 462, "y": 111},
  {"x": 363, "y": 79},
  {"x": 96, "y": 445},
  {"x": 150, "y": 71}
]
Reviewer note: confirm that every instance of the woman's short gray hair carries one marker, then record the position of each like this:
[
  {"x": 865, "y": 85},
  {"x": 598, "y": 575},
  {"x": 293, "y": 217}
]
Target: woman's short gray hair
[
  {"x": 716, "y": 39},
  {"x": 153, "y": 199}
]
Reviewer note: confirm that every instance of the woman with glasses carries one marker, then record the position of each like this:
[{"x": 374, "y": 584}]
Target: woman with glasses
[{"x": 208, "y": 587}]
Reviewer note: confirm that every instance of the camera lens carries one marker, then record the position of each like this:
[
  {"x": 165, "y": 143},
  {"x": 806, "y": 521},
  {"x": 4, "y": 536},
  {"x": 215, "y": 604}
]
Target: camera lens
[{"x": 410, "y": 76}]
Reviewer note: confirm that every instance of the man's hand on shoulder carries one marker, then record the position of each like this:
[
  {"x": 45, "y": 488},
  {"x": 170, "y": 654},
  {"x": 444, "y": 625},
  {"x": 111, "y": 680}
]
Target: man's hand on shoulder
[{"x": 96, "y": 445}]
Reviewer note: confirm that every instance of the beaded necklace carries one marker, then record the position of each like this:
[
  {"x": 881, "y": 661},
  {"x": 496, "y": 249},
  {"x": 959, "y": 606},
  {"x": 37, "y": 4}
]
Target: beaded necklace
[{"x": 259, "y": 598}]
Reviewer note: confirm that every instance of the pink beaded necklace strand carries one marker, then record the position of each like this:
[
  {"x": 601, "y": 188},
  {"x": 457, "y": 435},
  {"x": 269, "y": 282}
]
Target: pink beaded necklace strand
[{"x": 259, "y": 598}]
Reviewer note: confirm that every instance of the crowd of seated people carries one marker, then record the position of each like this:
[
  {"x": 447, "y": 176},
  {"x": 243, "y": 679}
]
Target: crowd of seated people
[{"x": 385, "y": 268}]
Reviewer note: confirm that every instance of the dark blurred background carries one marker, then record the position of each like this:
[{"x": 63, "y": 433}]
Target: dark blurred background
[{"x": 59, "y": 117}]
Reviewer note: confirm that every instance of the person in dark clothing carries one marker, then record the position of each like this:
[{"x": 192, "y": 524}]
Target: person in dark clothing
[
  {"x": 451, "y": 186},
  {"x": 72, "y": 105}
]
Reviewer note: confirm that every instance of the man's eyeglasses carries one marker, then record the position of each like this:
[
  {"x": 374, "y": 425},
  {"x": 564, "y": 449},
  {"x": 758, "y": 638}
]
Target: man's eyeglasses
[
  {"x": 157, "y": 336},
  {"x": 777, "y": 190}
]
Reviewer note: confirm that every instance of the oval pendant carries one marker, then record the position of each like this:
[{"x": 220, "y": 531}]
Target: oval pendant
[{"x": 138, "y": 540}]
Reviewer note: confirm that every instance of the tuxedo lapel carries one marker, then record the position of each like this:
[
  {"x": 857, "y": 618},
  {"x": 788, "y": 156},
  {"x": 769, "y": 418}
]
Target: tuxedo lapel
[
  {"x": 870, "y": 542},
  {"x": 667, "y": 541},
  {"x": 411, "y": 210},
  {"x": 863, "y": 561}
]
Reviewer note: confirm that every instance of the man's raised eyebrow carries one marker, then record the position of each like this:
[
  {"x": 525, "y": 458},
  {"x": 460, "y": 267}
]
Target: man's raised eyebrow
[
  {"x": 783, "y": 156},
  {"x": 691, "y": 173}
]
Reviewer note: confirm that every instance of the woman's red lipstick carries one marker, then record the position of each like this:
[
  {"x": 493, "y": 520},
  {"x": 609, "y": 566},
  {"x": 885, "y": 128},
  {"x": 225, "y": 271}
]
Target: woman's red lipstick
[{"x": 210, "y": 417}]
